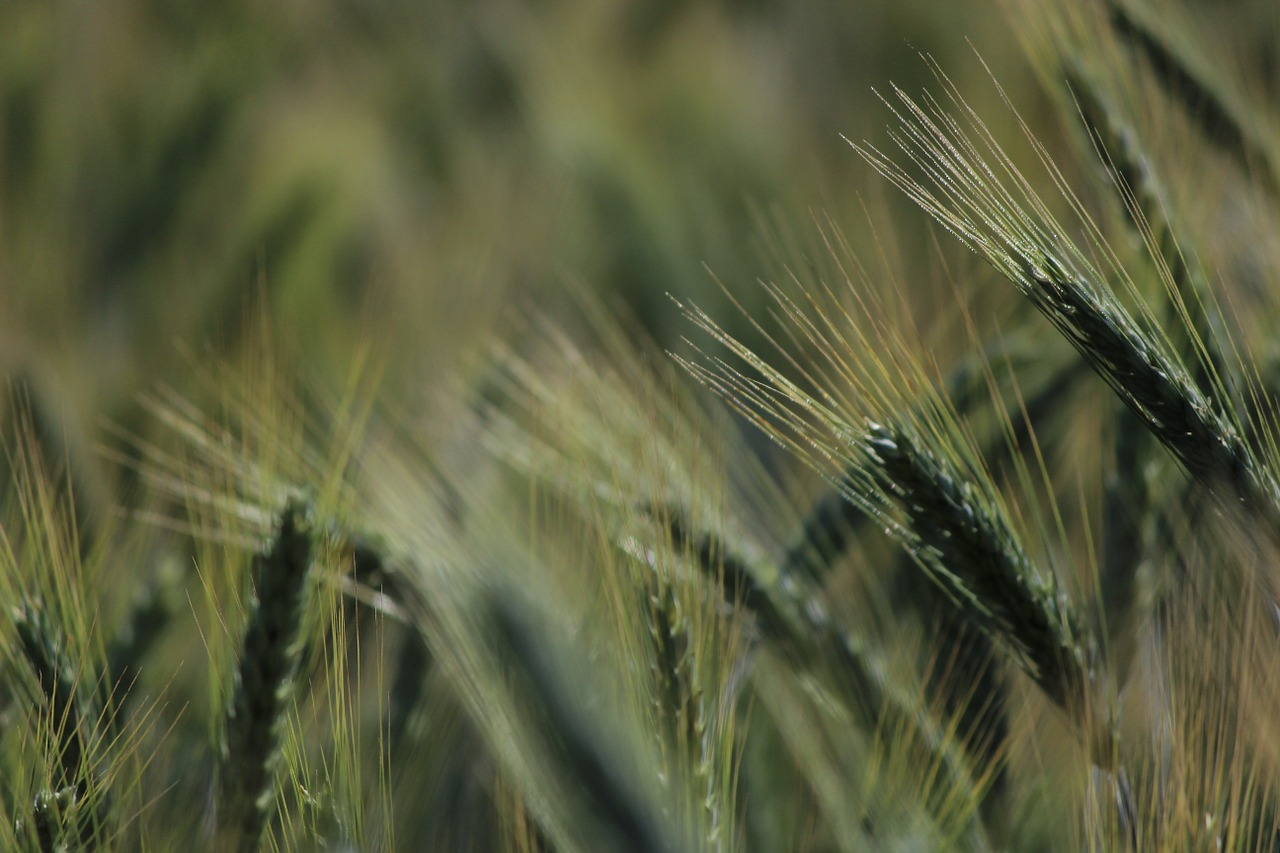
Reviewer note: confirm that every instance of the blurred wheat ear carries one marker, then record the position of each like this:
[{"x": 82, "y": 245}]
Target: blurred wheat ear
[
  {"x": 1220, "y": 117},
  {"x": 792, "y": 624},
  {"x": 77, "y": 806},
  {"x": 606, "y": 804},
  {"x": 150, "y": 614},
  {"x": 270, "y": 654}
]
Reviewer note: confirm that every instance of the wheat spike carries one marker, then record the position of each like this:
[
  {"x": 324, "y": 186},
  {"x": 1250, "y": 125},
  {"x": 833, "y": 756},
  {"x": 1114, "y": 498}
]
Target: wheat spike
[
  {"x": 1033, "y": 252},
  {"x": 270, "y": 656},
  {"x": 1204, "y": 102}
]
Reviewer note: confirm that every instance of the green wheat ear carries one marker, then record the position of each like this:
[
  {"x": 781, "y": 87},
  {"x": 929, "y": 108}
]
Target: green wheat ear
[
  {"x": 1010, "y": 227},
  {"x": 270, "y": 655},
  {"x": 1211, "y": 106},
  {"x": 77, "y": 806},
  {"x": 920, "y": 481},
  {"x": 609, "y": 806},
  {"x": 791, "y": 624}
]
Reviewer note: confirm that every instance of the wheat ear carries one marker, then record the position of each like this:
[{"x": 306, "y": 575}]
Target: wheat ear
[
  {"x": 963, "y": 543},
  {"x": 1033, "y": 252},
  {"x": 971, "y": 553},
  {"x": 1148, "y": 210},
  {"x": 149, "y": 616},
  {"x": 43, "y": 435},
  {"x": 1205, "y": 104},
  {"x": 938, "y": 509},
  {"x": 793, "y": 624},
  {"x": 60, "y": 684},
  {"x": 373, "y": 570},
  {"x": 270, "y": 656},
  {"x": 607, "y": 796},
  {"x": 77, "y": 806}
]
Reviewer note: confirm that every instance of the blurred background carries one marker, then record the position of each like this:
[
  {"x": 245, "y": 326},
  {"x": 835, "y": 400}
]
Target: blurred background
[
  {"x": 427, "y": 177},
  {"x": 420, "y": 171}
]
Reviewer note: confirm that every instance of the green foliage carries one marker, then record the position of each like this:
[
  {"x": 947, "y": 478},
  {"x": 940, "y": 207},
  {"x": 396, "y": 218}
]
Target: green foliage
[{"x": 375, "y": 534}]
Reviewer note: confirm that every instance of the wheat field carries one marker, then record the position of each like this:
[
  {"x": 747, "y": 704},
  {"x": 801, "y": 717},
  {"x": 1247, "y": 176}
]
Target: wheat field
[{"x": 645, "y": 427}]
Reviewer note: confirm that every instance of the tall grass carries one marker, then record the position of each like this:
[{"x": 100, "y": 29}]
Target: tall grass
[{"x": 950, "y": 538}]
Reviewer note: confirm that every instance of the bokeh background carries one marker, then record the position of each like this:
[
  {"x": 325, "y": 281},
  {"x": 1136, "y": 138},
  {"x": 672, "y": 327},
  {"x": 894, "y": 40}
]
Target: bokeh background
[{"x": 419, "y": 171}]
